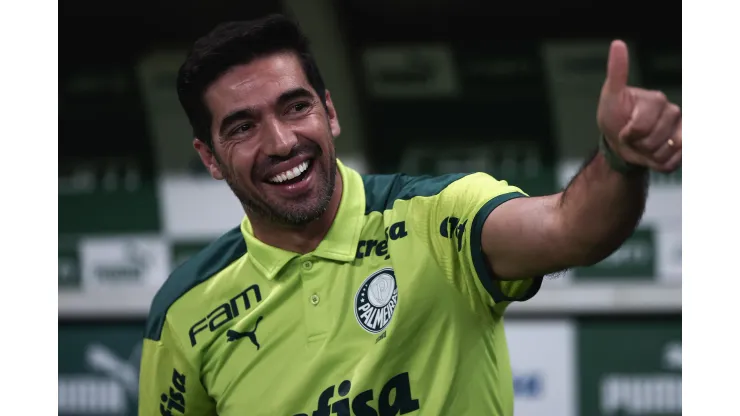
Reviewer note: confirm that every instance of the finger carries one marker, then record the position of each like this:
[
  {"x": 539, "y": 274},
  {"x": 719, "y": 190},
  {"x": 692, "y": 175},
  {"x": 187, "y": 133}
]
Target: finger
[
  {"x": 656, "y": 143},
  {"x": 669, "y": 165},
  {"x": 617, "y": 70},
  {"x": 666, "y": 151},
  {"x": 673, "y": 163},
  {"x": 678, "y": 136},
  {"x": 649, "y": 106}
]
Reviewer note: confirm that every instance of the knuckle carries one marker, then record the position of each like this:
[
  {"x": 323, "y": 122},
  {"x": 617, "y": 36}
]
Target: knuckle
[
  {"x": 674, "y": 109},
  {"x": 640, "y": 130},
  {"x": 674, "y": 163},
  {"x": 649, "y": 145},
  {"x": 660, "y": 97},
  {"x": 656, "y": 146},
  {"x": 677, "y": 163}
]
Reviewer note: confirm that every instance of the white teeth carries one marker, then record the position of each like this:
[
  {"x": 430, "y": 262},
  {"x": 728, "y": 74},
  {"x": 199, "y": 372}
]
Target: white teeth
[{"x": 290, "y": 174}]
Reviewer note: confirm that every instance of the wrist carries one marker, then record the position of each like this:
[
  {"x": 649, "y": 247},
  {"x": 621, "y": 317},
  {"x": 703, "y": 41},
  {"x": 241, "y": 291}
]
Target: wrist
[{"x": 614, "y": 161}]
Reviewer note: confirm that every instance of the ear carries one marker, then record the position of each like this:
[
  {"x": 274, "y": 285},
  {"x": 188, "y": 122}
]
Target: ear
[
  {"x": 208, "y": 159},
  {"x": 332, "y": 115}
]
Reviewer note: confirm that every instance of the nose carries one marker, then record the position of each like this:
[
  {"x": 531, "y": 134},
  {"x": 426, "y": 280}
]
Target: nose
[{"x": 279, "y": 139}]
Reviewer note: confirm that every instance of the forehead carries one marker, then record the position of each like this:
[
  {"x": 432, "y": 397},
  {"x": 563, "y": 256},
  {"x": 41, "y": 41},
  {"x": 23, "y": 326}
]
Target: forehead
[{"x": 258, "y": 83}]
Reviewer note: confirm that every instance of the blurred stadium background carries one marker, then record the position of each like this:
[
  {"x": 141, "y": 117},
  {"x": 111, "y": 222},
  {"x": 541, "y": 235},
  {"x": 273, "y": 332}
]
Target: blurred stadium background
[{"x": 423, "y": 86}]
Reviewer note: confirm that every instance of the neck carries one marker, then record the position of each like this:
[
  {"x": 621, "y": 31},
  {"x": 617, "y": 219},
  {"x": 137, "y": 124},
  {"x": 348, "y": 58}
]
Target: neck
[{"x": 302, "y": 239}]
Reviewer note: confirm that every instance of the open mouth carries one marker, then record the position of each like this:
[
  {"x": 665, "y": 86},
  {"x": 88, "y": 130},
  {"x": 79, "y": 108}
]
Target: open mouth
[{"x": 292, "y": 176}]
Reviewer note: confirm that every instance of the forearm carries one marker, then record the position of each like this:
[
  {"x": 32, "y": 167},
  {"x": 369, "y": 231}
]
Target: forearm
[{"x": 599, "y": 210}]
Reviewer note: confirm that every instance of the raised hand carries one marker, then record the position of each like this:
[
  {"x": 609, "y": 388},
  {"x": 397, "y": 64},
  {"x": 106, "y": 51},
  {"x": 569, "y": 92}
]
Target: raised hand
[{"x": 641, "y": 126}]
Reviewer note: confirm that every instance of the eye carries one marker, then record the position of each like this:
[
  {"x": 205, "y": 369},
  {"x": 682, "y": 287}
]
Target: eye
[
  {"x": 299, "y": 107},
  {"x": 242, "y": 128}
]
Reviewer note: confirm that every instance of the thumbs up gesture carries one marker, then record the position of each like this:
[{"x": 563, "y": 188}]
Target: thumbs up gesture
[{"x": 642, "y": 127}]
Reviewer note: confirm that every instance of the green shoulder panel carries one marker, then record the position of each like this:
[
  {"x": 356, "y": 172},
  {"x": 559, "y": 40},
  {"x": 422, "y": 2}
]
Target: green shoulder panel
[
  {"x": 382, "y": 191},
  {"x": 199, "y": 268}
]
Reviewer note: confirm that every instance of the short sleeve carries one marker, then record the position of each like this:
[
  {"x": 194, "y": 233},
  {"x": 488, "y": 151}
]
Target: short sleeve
[
  {"x": 168, "y": 384},
  {"x": 455, "y": 224}
]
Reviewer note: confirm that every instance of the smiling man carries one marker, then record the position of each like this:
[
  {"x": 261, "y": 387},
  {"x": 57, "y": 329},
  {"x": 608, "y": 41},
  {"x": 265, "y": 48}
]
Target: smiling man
[{"x": 367, "y": 295}]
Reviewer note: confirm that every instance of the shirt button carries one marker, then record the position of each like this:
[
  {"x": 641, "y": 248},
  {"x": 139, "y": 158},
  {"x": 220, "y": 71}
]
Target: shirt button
[
  {"x": 307, "y": 265},
  {"x": 315, "y": 299}
]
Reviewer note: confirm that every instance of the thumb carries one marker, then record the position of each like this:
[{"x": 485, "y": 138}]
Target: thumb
[{"x": 617, "y": 71}]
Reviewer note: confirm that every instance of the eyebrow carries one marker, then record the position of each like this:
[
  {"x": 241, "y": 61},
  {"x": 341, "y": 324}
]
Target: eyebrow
[
  {"x": 247, "y": 113},
  {"x": 234, "y": 116},
  {"x": 293, "y": 94}
]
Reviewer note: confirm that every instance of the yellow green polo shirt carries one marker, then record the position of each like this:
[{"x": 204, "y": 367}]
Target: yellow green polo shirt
[{"x": 394, "y": 313}]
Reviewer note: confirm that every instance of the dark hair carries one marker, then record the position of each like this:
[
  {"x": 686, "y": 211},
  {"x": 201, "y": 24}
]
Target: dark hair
[{"x": 236, "y": 43}]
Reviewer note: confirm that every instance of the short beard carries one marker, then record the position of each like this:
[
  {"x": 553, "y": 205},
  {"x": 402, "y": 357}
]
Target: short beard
[{"x": 288, "y": 217}]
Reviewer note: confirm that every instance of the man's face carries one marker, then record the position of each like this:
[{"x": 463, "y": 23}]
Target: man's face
[{"x": 272, "y": 140}]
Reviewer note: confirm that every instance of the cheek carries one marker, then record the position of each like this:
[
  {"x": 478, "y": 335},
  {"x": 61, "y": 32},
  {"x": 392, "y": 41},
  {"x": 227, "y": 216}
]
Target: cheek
[
  {"x": 316, "y": 128},
  {"x": 240, "y": 160}
]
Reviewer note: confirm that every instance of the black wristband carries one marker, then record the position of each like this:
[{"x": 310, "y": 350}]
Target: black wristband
[{"x": 614, "y": 161}]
